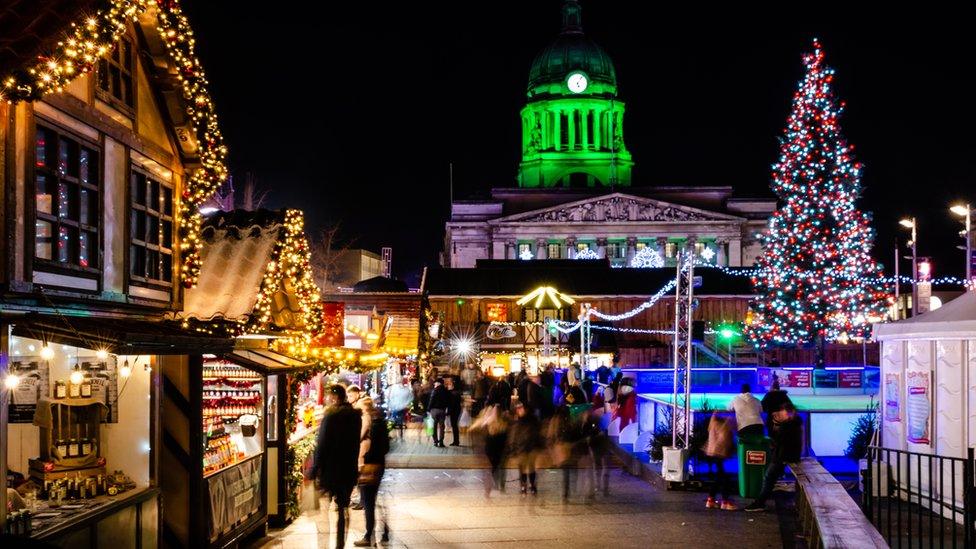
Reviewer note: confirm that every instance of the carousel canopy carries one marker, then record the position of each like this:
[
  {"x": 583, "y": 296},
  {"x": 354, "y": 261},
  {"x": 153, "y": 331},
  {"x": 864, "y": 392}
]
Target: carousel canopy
[{"x": 955, "y": 319}]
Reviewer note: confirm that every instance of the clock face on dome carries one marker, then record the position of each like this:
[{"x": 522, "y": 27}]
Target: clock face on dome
[{"x": 577, "y": 82}]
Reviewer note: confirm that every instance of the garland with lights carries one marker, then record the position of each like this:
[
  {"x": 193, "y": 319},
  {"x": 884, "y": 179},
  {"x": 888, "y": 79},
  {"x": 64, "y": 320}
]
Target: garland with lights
[
  {"x": 816, "y": 280},
  {"x": 77, "y": 54}
]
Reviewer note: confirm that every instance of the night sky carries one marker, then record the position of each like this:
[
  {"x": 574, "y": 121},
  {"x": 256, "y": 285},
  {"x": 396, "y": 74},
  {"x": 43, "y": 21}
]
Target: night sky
[{"x": 411, "y": 87}]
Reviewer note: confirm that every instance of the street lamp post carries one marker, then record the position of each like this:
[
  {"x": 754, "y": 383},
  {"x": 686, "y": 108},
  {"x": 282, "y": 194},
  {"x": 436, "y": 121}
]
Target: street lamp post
[
  {"x": 912, "y": 223},
  {"x": 967, "y": 213}
]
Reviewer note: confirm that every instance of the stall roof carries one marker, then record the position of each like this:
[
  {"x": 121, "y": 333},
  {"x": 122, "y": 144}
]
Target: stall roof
[
  {"x": 571, "y": 277},
  {"x": 122, "y": 336},
  {"x": 235, "y": 255},
  {"x": 265, "y": 361},
  {"x": 955, "y": 319}
]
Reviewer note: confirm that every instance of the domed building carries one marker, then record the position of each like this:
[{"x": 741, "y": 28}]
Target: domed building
[{"x": 576, "y": 196}]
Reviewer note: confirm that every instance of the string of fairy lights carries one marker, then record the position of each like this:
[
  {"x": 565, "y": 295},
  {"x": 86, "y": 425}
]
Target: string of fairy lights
[{"x": 77, "y": 54}]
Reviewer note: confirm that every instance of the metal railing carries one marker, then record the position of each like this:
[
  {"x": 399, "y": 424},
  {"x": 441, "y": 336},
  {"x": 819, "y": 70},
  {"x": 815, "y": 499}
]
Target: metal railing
[{"x": 920, "y": 500}]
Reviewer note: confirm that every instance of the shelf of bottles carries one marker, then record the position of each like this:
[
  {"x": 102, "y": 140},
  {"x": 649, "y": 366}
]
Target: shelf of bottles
[{"x": 233, "y": 403}]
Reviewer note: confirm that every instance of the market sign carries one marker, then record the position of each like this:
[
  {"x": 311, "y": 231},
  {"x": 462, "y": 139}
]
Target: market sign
[
  {"x": 755, "y": 457},
  {"x": 497, "y": 312}
]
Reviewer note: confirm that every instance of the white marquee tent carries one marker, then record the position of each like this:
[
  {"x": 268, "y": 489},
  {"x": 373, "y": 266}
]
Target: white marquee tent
[{"x": 928, "y": 386}]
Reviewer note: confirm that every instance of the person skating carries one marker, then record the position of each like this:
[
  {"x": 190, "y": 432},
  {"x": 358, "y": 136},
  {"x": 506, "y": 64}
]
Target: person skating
[
  {"x": 336, "y": 462},
  {"x": 787, "y": 448},
  {"x": 719, "y": 448},
  {"x": 524, "y": 440},
  {"x": 440, "y": 399},
  {"x": 374, "y": 446},
  {"x": 748, "y": 413},
  {"x": 453, "y": 411}
]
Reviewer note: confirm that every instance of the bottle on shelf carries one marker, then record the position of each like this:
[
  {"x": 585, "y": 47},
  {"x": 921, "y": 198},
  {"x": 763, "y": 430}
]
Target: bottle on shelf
[
  {"x": 60, "y": 389},
  {"x": 86, "y": 388},
  {"x": 86, "y": 443},
  {"x": 74, "y": 390}
]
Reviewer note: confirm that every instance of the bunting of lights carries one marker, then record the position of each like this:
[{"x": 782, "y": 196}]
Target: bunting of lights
[
  {"x": 77, "y": 53},
  {"x": 816, "y": 278}
]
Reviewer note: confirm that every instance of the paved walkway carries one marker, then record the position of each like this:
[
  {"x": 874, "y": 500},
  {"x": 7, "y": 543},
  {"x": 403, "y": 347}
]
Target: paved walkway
[{"x": 448, "y": 508}]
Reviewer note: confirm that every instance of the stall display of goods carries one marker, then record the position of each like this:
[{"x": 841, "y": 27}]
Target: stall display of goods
[{"x": 233, "y": 402}]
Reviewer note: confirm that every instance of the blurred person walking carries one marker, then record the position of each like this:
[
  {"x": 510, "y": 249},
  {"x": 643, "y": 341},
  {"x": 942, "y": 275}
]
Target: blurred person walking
[
  {"x": 524, "y": 441},
  {"x": 373, "y": 447},
  {"x": 493, "y": 424},
  {"x": 336, "y": 462},
  {"x": 719, "y": 448}
]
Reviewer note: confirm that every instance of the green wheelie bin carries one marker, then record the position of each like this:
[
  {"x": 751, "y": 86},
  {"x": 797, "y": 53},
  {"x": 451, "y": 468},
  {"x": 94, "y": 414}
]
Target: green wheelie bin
[{"x": 753, "y": 458}]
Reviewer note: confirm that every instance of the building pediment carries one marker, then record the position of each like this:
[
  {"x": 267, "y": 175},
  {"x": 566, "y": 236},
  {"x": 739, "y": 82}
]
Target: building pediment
[{"x": 616, "y": 208}]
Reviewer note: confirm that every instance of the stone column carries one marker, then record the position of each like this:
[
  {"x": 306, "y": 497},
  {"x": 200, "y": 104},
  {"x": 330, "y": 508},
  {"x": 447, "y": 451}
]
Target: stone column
[
  {"x": 497, "y": 249},
  {"x": 511, "y": 252},
  {"x": 571, "y": 121},
  {"x": 601, "y": 248},
  {"x": 584, "y": 127},
  {"x": 597, "y": 128},
  {"x": 556, "y": 129},
  {"x": 541, "y": 248},
  {"x": 631, "y": 248},
  {"x": 735, "y": 252},
  {"x": 662, "y": 246},
  {"x": 571, "y": 247}
]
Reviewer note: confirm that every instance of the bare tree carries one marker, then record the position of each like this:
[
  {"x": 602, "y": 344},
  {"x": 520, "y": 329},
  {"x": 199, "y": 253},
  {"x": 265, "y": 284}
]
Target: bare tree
[
  {"x": 251, "y": 197},
  {"x": 226, "y": 198},
  {"x": 328, "y": 249}
]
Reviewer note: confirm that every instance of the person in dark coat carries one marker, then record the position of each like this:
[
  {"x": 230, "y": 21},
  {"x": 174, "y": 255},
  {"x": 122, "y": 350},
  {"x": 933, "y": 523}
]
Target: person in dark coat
[
  {"x": 774, "y": 399},
  {"x": 524, "y": 440},
  {"x": 787, "y": 448},
  {"x": 532, "y": 396},
  {"x": 453, "y": 411},
  {"x": 336, "y": 463},
  {"x": 501, "y": 394},
  {"x": 439, "y": 401}
]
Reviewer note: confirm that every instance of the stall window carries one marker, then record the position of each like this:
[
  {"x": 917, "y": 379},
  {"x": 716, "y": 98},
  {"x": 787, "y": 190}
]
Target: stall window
[
  {"x": 525, "y": 251},
  {"x": 66, "y": 203},
  {"x": 151, "y": 230},
  {"x": 115, "y": 69}
]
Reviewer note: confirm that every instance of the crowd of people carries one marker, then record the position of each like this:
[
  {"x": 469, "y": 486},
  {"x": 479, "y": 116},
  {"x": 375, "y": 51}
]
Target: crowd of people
[{"x": 524, "y": 420}]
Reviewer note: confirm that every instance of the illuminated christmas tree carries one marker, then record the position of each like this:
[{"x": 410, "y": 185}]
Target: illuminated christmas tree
[{"x": 816, "y": 280}]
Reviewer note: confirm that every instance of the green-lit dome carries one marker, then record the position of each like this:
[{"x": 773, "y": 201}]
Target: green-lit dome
[{"x": 570, "y": 52}]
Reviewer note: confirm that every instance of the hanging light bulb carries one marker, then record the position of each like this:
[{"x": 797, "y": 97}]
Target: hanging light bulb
[
  {"x": 101, "y": 354},
  {"x": 125, "y": 370},
  {"x": 47, "y": 353},
  {"x": 77, "y": 376},
  {"x": 12, "y": 381}
]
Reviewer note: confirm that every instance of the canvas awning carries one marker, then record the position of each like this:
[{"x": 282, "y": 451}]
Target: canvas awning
[
  {"x": 955, "y": 319},
  {"x": 266, "y": 362},
  {"x": 121, "y": 336}
]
